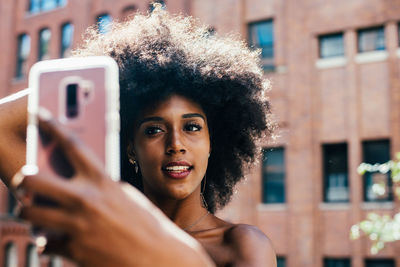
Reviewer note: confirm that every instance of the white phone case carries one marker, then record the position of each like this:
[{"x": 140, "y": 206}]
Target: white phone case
[{"x": 96, "y": 93}]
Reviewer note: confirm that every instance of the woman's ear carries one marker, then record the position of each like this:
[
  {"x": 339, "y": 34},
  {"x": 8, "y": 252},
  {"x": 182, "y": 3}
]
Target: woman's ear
[{"x": 131, "y": 152}]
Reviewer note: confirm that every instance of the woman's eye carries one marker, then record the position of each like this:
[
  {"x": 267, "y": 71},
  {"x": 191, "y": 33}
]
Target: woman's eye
[
  {"x": 152, "y": 130},
  {"x": 192, "y": 127}
]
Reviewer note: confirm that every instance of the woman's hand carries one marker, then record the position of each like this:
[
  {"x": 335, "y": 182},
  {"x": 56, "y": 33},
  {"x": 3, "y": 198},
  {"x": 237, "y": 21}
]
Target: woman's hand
[
  {"x": 105, "y": 223},
  {"x": 13, "y": 121}
]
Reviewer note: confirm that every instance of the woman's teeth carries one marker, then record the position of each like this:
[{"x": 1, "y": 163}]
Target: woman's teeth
[{"x": 177, "y": 168}]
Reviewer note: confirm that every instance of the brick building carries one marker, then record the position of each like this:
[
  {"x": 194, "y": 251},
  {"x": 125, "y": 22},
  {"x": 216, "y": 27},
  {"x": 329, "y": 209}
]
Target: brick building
[{"x": 335, "y": 73}]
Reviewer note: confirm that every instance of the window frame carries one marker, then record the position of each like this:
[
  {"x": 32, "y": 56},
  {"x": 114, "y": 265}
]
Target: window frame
[
  {"x": 40, "y": 54},
  {"x": 367, "y": 262},
  {"x": 268, "y": 63},
  {"x": 325, "y": 165},
  {"x": 162, "y": 2},
  {"x": 371, "y": 29},
  {"x": 388, "y": 177},
  {"x": 62, "y": 48},
  {"x": 102, "y": 29},
  {"x": 326, "y": 37},
  {"x": 280, "y": 261},
  {"x": 21, "y": 58},
  {"x": 340, "y": 261},
  {"x": 264, "y": 178},
  {"x": 40, "y": 6}
]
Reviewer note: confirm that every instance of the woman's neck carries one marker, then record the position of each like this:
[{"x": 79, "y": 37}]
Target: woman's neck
[{"x": 183, "y": 212}]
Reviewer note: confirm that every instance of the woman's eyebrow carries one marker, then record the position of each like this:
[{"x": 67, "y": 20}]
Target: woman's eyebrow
[
  {"x": 192, "y": 115},
  {"x": 150, "y": 119}
]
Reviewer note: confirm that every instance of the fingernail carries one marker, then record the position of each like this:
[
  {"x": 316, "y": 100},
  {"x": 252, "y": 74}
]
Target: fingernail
[{"x": 17, "y": 179}]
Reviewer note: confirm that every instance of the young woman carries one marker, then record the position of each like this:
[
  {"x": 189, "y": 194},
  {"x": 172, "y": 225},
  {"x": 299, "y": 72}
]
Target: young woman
[{"x": 192, "y": 108}]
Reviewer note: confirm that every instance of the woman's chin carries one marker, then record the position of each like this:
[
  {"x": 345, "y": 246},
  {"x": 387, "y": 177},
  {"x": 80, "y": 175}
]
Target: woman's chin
[{"x": 180, "y": 192}]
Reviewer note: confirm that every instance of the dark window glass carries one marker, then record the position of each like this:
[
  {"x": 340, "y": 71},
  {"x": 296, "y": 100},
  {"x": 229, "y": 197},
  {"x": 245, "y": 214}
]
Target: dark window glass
[
  {"x": 261, "y": 35},
  {"x": 163, "y": 5},
  {"x": 104, "y": 23},
  {"x": 11, "y": 257},
  {"x": 12, "y": 203},
  {"x": 336, "y": 186},
  {"x": 34, "y": 6},
  {"x": 398, "y": 34},
  {"x": 281, "y": 261},
  {"x": 128, "y": 12},
  {"x": 331, "y": 45},
  {"x": 379, "y": 263},
  {"x": 32, "y": 257},
  {"x": 24, "y": 48},
  {"x": 273, "y": 175},
  {"x": 336, "y": 262},
  {"x": 377, "y": 152},
  {"x": 211, "y": 31},
  {"x": 44, "y": 41},
  {"x": 67, "y": 35},
  {"x": 371, "y": 39}
]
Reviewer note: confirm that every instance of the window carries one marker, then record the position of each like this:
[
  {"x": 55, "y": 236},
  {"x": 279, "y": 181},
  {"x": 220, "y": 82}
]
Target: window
[
  {"x": 11, "y": 257},
  {"x": 336, "y": 188},
  {"x": 331, "y": 45},
  {"x": 398, "y": 34},
  {"x": 44, "y": 41},
  {"x": 273, "y": 175},
  {"x": 371, "y": 39},
  {"x": 211, "y": 31},
  {"x": 377, "y": 152},
  {"x": 128, "y": 12},
  {"x": 104, "y": 23},
  {"x": 24, "y": 48},
  {"x": 12, "y": 203},
  {"x": 281, "y": 261},
  {"x": 36, "y": 6},
  {"x": 67, "y": 35},
  {"x": 379, "y": 263},
  {"x": 261, "y": 35},
  {"x": 32, "y": 257},
  {"x": 163, "y": 5},
  {"x": 329, "y": 262}
]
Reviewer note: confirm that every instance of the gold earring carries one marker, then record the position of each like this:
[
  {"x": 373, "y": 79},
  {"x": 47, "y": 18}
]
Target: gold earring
[{"x": 135, "y": 165}]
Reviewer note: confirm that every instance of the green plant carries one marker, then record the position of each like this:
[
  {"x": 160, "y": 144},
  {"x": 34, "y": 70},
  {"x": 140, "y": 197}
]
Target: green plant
[{"x": 380, "y": 229}]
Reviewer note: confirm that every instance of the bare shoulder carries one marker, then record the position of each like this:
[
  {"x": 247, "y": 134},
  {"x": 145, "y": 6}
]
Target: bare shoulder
[{"x": 251, "y": 246}]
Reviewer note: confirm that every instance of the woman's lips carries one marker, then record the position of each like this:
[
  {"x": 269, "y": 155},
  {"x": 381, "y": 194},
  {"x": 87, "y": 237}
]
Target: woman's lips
[{"x": 177, "y": 170}]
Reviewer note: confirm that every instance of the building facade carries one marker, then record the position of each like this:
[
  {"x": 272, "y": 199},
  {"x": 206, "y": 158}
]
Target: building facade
[{"x": 334, "y": 68}]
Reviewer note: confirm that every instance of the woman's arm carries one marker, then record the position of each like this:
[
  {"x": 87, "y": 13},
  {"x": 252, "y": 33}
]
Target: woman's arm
[{"x": 13, "y": 121}]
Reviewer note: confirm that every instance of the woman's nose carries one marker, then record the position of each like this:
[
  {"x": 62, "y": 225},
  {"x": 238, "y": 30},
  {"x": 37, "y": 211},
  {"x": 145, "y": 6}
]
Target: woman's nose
[{"x": 175, "y": 144}]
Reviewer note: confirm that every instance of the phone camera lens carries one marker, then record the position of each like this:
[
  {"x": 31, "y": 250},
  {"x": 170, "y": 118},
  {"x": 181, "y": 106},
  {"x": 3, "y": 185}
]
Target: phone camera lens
[{"x": 72, "y": 109}]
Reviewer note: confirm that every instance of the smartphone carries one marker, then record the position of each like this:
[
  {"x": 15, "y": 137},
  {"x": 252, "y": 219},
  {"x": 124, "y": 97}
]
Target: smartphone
[{"x": 83, "y": 95}]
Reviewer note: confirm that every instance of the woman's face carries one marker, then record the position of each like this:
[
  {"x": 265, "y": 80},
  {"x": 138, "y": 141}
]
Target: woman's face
[{"x": 172, "y": 146}]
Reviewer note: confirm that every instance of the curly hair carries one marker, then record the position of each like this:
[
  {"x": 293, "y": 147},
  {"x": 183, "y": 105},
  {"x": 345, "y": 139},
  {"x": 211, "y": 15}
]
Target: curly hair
[{"x": 160, "y": 55}]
